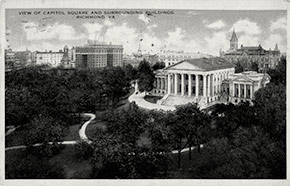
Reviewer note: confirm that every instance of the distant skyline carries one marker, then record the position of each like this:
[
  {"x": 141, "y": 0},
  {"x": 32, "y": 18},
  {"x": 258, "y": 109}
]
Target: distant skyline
[{"x": 205, "y": 31}]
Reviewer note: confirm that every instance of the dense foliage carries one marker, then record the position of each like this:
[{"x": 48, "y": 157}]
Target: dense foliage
[
  {"x": 233, "y": 141},
  {"x": 146, "y": 77}
]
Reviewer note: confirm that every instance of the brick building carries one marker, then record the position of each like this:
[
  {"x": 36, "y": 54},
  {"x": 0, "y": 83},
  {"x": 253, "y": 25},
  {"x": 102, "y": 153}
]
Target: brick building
[
  {"x": 247, "y": 55},
  {"x": 98, "y": 55}
]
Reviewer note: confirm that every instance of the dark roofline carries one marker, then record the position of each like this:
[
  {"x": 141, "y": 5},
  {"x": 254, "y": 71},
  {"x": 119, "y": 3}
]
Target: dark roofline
[
  {"x": 48, "y": 52},
  {"x": 222, "y": 66}
]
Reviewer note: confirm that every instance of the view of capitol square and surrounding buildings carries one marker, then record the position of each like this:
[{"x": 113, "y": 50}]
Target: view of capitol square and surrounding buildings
[{"x": 145, "y": 94}]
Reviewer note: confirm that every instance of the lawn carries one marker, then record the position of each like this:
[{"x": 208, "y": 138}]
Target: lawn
[
  {"x": 16, "y": 137},
  {"x": 73, "y": 133},
  {"x": 152, "y": 99}
]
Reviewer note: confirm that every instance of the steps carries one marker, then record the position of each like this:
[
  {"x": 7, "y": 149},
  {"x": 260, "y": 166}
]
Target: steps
[{"x": 172, "y": 100}]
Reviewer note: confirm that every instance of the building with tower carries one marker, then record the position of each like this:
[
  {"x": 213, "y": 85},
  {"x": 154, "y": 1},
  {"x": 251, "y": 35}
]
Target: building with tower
[
  {"x": 248, "y": 56},
  {"x": 234, "y": 41}
]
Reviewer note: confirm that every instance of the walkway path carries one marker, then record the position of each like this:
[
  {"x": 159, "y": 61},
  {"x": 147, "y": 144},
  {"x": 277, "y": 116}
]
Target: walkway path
[
  {"x": 82, "y": 135},
  {"x": 82, "y": 131}
]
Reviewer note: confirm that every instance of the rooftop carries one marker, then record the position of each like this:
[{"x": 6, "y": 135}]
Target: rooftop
[{"x": 201, "y": 64}]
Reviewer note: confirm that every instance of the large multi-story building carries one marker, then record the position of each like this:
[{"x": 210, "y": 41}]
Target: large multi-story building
[
  {"x": 98, "y": 55},
  {"x": 170, "y": 57},
  {"x": 206, "y": 81},
  {"x": 50, "y": 58},
  {"x": 247, "y": 55}
]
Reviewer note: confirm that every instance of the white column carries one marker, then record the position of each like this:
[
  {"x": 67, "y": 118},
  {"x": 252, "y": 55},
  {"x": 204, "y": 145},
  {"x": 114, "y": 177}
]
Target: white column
[
  {"x": 196, "y": 85},
  {"x": 234, "y": 90},
  {"x": 175, "y": 83},
  {"x": 156, "y": 83},
  {"x": 182, "y": 84},
  {"x": 213, "y": 84},
  {"x": 245, "y": 90},
  {"x": 169, "y": 83},
  {"x": 220, "y": 82},
  {"x": 189, "y": 85},
  {"x": 208, "y": 84},
  {"x": 204, "y": 85}
]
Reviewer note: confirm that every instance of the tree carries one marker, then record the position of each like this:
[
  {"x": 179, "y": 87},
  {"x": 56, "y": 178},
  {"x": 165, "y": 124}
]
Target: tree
[
  {"x": 254, "y": 66},
  {"x": 278, "y": 75},
  {"x": 32, "y": 167},
  {"x": 228, "y": 118},
  {"x": 83, "y": 150},
  {"x": 239, "y": 68},
  {"x": 127, "y": 124},
  {"x": 48, "y": 132},
  {"x": 146, "y": 77},
  {"x": 158, "y": 65},
  {"x": 195, "y": 123},
  {"x": 270, "y": 108},
  {"x": 130, "y": 72}
]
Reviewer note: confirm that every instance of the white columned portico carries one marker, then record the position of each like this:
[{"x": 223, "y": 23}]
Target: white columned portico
[
  {"x": 175, "y": 83},
  {"x": 204, "y": 85},
  {"x": 182, "y": 84},
  {"x": 196, "y": 85},
  {"x": 189, "y": 85}
]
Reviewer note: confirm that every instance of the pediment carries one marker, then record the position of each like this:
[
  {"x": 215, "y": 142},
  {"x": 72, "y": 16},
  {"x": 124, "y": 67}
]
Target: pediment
[
  {"x": 243, "y": 79},
  {"x": 183, "y": 66}
]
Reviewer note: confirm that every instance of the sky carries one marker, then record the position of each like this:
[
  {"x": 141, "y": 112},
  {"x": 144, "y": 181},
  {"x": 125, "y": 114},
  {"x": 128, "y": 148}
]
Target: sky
[{"x": 205, "y": 31}]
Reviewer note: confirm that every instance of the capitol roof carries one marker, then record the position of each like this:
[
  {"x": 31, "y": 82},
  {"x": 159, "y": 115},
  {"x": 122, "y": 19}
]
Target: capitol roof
[{"x": 201, "y": 64}]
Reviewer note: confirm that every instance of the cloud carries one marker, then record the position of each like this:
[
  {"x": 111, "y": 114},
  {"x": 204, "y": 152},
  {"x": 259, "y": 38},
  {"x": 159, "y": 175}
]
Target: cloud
[
  {"x": 43, "y": 46},
  {"x": 123, "y": 34},
  {"x": 44, "y": 31},
  {"x": 271, "y": 41},
  {"x": 215, "y": 42},
  {"x": 246, "y": 26},
  {"x": 216, "y": 25},
  {"x": 280, "y": 23},
  {"x": 249, "y": 40},
  {"x": 93, "y": 30}
]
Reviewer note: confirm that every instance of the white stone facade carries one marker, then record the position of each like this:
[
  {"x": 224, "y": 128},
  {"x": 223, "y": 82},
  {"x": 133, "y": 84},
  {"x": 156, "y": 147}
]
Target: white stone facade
[{"x": 205, "y": 81}]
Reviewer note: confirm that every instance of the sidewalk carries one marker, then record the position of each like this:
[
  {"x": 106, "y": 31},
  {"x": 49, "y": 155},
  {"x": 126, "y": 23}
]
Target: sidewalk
[{"x": 141, "y": 102}]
